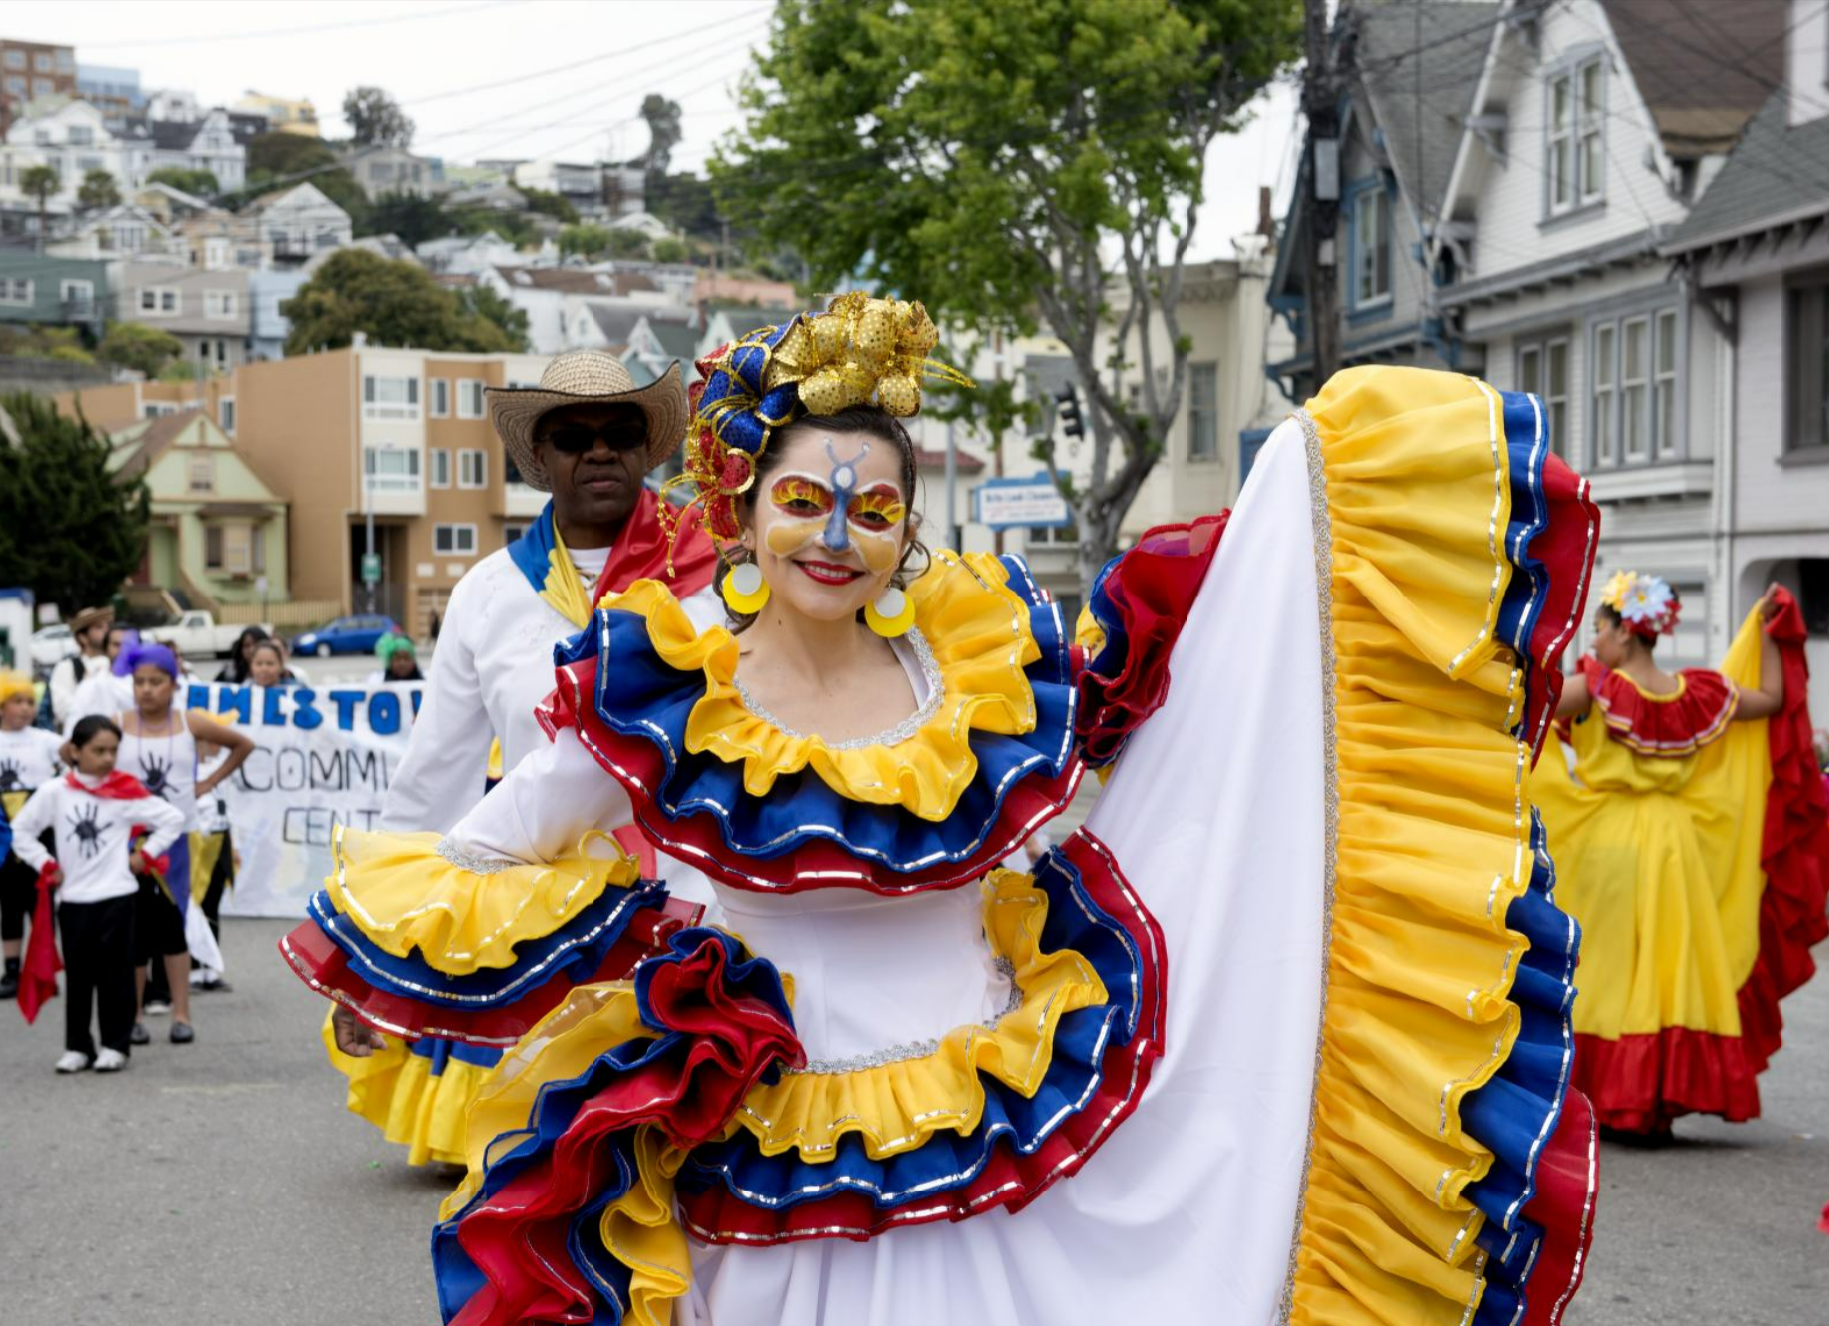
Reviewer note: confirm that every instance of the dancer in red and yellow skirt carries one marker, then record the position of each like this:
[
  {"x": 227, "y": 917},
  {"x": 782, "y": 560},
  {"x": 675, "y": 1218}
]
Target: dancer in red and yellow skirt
[{"x": 1692, "y": 844}]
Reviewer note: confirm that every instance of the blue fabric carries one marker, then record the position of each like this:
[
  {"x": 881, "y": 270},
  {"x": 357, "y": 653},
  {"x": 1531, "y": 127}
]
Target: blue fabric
[
  {"x": 532, "y": 552},
  {"x": 557, "y": 1106},
  {"x": 442, "y": 1053},
  {"x": 573, "y": 951},
  {"x": 948, "y": 1160},
  {"x": 1527, "y": 442},
  {"x": 178, "y": 873},
  {"x": 639, "y": 695},
  {"x": 740, "y": 411}
]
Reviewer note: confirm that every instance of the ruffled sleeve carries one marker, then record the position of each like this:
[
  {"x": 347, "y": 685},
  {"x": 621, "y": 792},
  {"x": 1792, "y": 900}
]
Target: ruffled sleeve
[
  {"x": 1666, "y": 727},
  {"x": 1128, "y": 630},
  {"x": 1451, "y": 1168}
]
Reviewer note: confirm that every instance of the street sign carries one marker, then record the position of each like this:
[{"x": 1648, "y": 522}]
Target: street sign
[
  {"x": 371, "y": 568},
  {"x": 1009, "y": 503}
]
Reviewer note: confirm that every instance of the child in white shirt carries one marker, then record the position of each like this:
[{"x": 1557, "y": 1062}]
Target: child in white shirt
[
  {"x": 93, "y": 813},
  {"x": 28, "y": 760}
]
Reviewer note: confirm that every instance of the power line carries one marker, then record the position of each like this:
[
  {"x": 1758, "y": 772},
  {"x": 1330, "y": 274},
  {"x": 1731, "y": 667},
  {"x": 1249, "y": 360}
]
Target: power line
[{"x": 417, "y": 15}]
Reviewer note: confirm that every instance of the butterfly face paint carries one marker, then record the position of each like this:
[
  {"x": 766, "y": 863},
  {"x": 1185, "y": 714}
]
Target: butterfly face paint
[{"x": 830, "y": 511}]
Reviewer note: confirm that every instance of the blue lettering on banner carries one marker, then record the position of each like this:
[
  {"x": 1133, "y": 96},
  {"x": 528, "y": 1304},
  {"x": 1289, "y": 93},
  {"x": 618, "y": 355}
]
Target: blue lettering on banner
[
  {"x": 346, "y": 702},
  {"x": 418, "y": 699},
  {"x": 384, "y": 713},
  {"x": 305, "y": 715},
  {"x": 272, "y": 712}
]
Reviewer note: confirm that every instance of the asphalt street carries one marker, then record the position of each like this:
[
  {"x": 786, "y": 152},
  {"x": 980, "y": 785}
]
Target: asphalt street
[{"x": 221, "y": 1182}]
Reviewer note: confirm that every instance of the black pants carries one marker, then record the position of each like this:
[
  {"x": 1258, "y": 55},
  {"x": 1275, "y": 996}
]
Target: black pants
[
  {"x": 18, "y": 896},
  {"x": 98, "y": 969}
]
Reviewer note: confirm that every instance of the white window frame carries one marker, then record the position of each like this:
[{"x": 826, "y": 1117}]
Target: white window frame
[
  {"x": 470, "y": 398},
  {"x": 1604, "y": 392},
  {"x": 1542, "y": 352},
  {"x": 1666, "y": 334},
  {"x": 441, "y": 397},
  {"x": 374, "y": 407},
  {"x": 454, "y": 540},
  {"x": 159, "y": 301},
  {"x": 439, "y": 468},
  {"x": 225, "y": 415},
  {"x": 70, "y": 291},
  {"x": 472, "y": 468},
  {"x": 219, "y": 304},
  {"x": 18, "y": 292},
  {"x": 1636, "y": 413},
  {"x": 200, "y": 473},
  {"x": 1635, "y": 391},
  {"x": 391, "y": 477},
  {"x": 1574, "y": 148},
  {"x": 1373, "y": 203},
  {"x": 1203, "y": 415}
]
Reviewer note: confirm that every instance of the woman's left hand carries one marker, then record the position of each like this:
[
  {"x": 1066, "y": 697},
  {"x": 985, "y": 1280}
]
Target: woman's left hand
[{"x": 1768, "y": 602}]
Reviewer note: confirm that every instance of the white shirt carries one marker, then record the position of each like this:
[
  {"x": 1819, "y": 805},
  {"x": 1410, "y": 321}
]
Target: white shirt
[
  {"x": 165, "y": 761},
  {"x": 92, "y": 836},
  {"x": 69, "y": 675},
  {"x": 102, "y": 693},
  {"x": 492, "y": 668},
  {"x": 28, "y": 758}
]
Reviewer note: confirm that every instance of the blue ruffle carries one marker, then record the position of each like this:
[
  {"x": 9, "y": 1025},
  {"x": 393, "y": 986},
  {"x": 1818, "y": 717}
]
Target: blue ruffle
[
  {"x": 1515, "y": 1113},
  {"x": 639, "y": 695},
  {"x": 948, "y": 1160},
  {"x": 574, "y": 951},
  {"x": 557, "y": 1106},
  {"x": 443, "y": 1052}
]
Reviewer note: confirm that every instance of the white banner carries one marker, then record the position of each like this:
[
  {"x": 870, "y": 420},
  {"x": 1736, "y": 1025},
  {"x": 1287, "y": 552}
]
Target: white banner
[{"x": 322, "y": 757}]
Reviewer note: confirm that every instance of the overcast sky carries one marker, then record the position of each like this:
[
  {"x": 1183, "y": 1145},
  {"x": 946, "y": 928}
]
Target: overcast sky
[{"x": 518, "y": 78}]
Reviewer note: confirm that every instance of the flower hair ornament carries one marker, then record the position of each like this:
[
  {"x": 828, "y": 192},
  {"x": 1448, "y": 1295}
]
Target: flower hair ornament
[
  {"x": 1647, "y": 606},
  {"x": 860, "y": 351}
]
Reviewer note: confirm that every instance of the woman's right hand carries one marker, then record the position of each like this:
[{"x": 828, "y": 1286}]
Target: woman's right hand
[
  {"x": 54, "y": 876},
  {"x": 353, "y": 1038}
]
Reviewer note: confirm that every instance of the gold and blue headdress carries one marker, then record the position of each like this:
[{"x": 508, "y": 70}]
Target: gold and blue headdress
[{"x": 860, "y": 351}]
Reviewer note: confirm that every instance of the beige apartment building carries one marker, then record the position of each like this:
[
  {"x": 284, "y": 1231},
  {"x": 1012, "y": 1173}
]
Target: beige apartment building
[{"x": 399, "y": 436}]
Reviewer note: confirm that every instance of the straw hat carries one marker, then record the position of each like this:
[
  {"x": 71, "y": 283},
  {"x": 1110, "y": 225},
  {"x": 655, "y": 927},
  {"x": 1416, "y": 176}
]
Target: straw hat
[
  {"x": 88, "y": 617},
  {"x": 586, "y": 377}
]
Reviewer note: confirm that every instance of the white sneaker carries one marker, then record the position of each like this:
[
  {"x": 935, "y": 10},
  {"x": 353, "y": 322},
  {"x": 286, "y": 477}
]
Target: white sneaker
[
  {"x": 156, "y": 1008},
  {"x": 73, "y": 1061},
  {"x": 110, "y": 1061}
]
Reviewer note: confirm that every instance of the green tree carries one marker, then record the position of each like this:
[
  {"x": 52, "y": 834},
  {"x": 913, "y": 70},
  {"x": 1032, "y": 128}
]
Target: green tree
[
  {"x": 626, "y": 243},
  {"x": 1037, "y": 162},
  {"x": 668, "y": 248},
  {"x": 586, "y": 241},
  {"x": 407, "y": 215},
  {"x": 483, "y": 302},
  {"x": 98, "y": 191},
  {"x": 686, "y": 203},
  {"x": 548, "y": 203},
  {"x": 375, "y": 119},
  {"x": 395, "y": 303},
  {"x": 664, "y": 133},
  {"x": 135, "y": 345},
  {"x": 279, "y": 160},
  {"x": 39, "y": 183},
  {"x": 202, "y": 183},
  {"x": 69, "y": 529}
]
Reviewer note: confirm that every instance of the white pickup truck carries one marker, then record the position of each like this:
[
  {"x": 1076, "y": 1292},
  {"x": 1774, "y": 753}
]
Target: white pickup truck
[{"x": 197, "y": 632}]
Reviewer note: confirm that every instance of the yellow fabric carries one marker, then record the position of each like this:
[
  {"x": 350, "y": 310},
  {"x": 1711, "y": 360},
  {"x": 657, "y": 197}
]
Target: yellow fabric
[
  {"x": 493, "y": 769},
  {"x": 1088, "y": 634},
  {"x": 897, "y": 1106},
  {"x": 403, "y": 895},
  {"x": 1432, "y": 847},
  {"x": 565, "y": 588},
  {"x": 979, "y": 632},
  {"x": 394, "y": 1089},
  {"x": 1658, "y": 859},
  {"x": 14, "y": 803},
  {"x": 206, "y": 851}
]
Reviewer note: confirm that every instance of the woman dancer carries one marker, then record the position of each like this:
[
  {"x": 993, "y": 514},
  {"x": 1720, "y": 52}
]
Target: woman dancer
[
  {"x": 819, "y": 1122},
  {"x": 1692, "y": 845},
  {"x": 29, "y": 758}
]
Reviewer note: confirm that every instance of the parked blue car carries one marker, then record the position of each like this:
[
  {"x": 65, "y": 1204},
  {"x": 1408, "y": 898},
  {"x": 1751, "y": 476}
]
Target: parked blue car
[{"x": 344, "y": 635}]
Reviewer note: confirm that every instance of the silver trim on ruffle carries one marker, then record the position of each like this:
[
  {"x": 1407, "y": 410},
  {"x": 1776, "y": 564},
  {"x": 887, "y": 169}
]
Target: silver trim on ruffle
[
  {"x": 902, "y": 731},
  {"x": 476, "y": 865},
  {"x": 895, "y": 1054}
]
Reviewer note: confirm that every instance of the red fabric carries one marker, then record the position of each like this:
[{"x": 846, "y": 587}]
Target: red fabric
[
  {"x": 1794, "y": 853},
  {"x": 518, "y": 1238},
  {"x": 317, "y": 961},
  {"x": 697, "y": 839},
  {"x": 641, "y": 552},
  {"x": 117, "y": 786},
  {"x": 1568, "y": 1180},
  {"x": 1640, "y": 1083},
  {"x": 38, "y": 973},
  {"x": 1009, "y": 1179},
  {"x": 1152, "y": 587},
  {"x": 1566, "y": 551},
  {"x": 1666, "y": 729},
  {"x": 1822, "y": 1221}
]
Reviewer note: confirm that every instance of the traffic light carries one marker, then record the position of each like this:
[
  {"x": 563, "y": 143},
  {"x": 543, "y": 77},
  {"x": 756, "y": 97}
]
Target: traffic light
[{"x": 1072, "y": 424}]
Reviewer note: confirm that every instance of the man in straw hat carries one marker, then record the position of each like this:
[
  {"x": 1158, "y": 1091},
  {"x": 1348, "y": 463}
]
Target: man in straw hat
[
  {"x": 588, "y": 436},
  {"x": 90, "y": 630}
]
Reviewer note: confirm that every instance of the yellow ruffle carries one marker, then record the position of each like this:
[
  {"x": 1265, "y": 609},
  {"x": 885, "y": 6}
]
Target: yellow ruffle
[
  {"x": 394, "y": 1089},
  {"x": 895, "y": 1107},
  {"x": 639, "y": 1228},
  {"x": 979, "y": 632},
  {"x": 1432, "y": 846},
  {"x": 403, "y": 895}
]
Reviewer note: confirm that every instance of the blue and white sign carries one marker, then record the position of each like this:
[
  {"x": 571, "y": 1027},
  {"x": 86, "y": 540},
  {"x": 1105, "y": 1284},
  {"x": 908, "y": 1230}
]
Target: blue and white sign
[{"x": 1011, "y": 503}]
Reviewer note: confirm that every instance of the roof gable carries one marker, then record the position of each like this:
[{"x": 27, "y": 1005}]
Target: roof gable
[{"x": 1703, "y": 67}]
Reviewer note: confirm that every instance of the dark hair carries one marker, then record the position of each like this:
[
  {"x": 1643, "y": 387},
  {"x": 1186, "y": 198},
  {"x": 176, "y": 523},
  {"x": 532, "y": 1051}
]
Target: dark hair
[
  {"x": 279, "y": 652},
  {"x": 236, "y": 669},
  {"x": 89, "y": 725},
  {"x": 1649, "y": 641},
  {"x": 853, "y": 419}
]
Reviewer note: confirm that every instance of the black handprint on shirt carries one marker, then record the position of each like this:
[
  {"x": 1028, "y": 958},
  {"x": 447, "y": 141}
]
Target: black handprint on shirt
[
  {"x": 86, "y": 824},
  {"x": 10, "y": 780},
  {"x": 156, "y": 774}
]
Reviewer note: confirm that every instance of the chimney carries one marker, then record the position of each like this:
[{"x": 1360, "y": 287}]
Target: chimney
[{"x": 1266, "y": 223}]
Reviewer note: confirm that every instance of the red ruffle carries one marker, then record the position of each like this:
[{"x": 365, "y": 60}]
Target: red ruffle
[
  {"x": 697, "y": 839},
  {"x": 1566, "y": 551},
  {"x": 1150, "y": 589},
  {"x": 1794, "y": 853},
  {"x": 1568, "y": 1180},
  {"x": 1639, "y": 1084},
  {"x": 38, "y": 973},
  {"x": 519, "y": 1237},
  {"x": 326, "y": 968},
  {"x": 1009, "y": 1179},
  {"x": 1668, "y": 729}
]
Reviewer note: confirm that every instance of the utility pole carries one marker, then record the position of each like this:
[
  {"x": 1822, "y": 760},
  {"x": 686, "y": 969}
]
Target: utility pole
[{"x": 1320, "y": 103}]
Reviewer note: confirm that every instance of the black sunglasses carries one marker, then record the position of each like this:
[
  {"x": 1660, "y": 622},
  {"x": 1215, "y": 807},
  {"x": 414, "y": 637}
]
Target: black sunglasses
[{"x": 580, "y": 439}]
